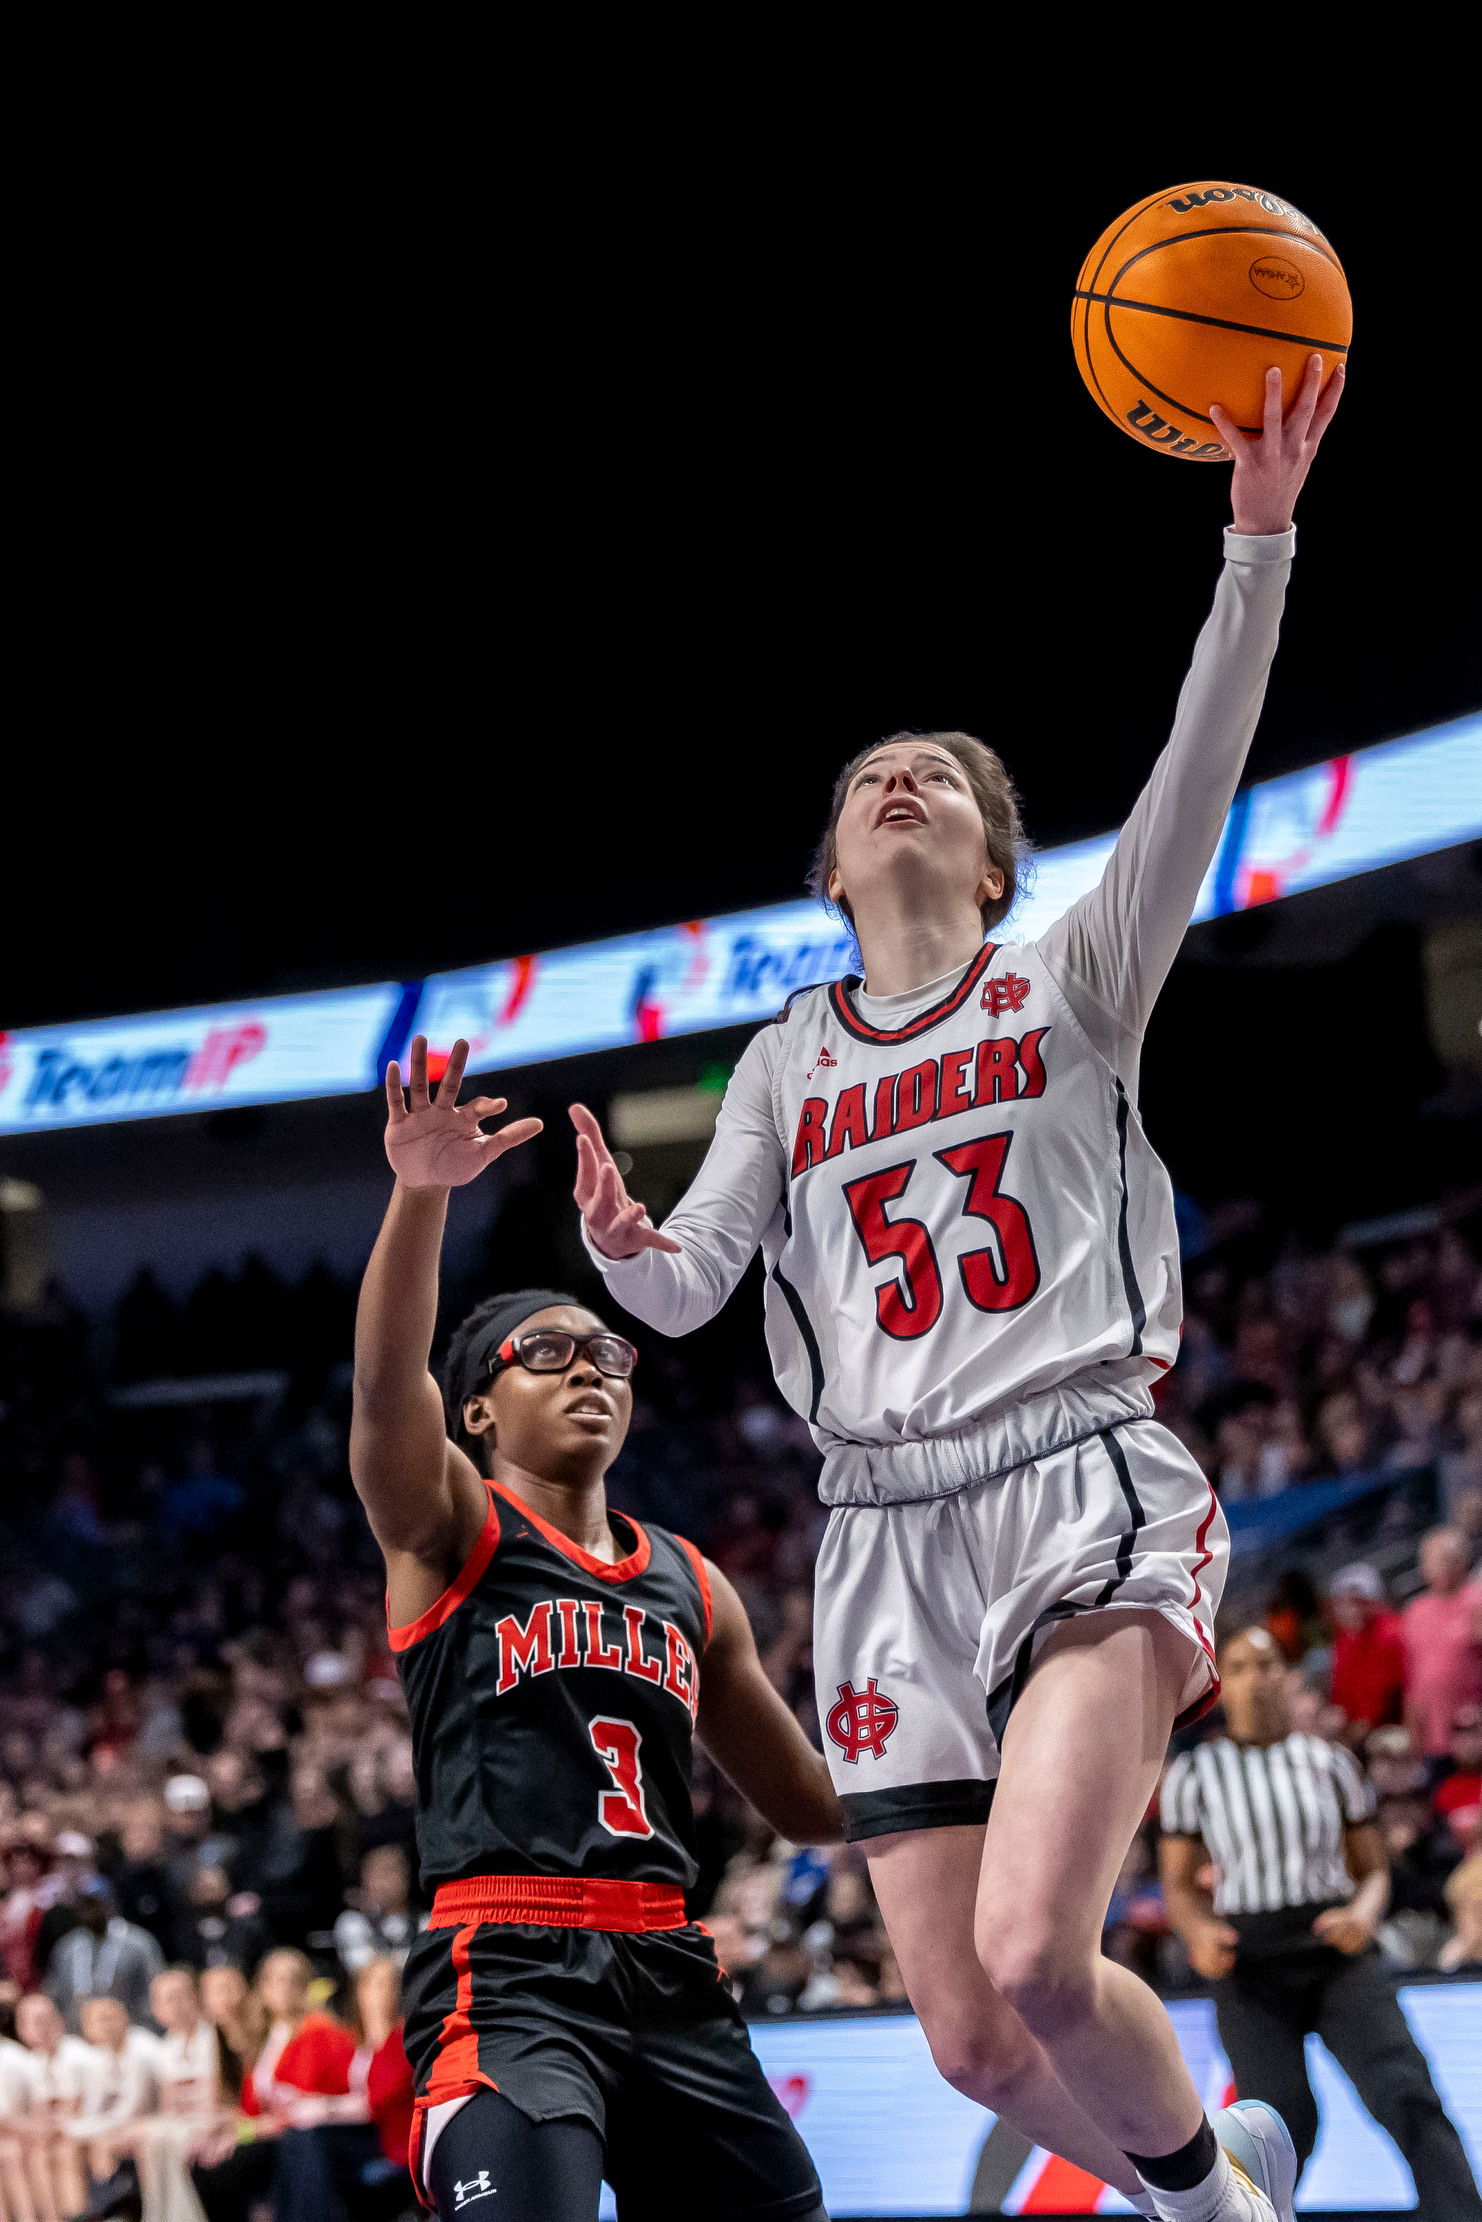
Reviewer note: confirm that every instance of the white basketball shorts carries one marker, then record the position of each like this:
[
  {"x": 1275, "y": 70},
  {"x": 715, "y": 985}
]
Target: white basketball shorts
[{"x": 928, "y": 1614}]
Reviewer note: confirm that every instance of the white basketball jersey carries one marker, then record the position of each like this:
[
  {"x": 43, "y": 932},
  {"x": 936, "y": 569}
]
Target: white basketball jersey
[{"x": 973, "y": 1218}]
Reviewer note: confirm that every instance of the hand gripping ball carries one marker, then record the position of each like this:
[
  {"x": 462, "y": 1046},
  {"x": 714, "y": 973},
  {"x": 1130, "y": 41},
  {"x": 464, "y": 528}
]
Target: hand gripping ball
[{"x": 1190, "y": 297}]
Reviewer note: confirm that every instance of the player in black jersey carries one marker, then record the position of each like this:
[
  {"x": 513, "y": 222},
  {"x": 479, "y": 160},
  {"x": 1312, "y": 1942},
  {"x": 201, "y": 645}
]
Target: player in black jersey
[{"x": 563, "y": 2018}]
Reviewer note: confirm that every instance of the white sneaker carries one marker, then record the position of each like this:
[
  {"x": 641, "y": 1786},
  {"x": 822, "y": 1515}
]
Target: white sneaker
[{"x": 1259, "y": 2144}]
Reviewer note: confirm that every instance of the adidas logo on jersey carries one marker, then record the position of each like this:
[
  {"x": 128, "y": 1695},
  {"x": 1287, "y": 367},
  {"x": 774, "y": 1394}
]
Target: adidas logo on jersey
[{"x": 823, "y": 1060}]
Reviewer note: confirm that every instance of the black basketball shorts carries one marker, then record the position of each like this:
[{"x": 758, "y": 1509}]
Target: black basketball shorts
[{"x": 634, "y": 2033}]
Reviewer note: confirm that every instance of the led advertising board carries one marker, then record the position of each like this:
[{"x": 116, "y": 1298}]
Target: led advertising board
[
  {"x": 888, "y": 2136},
  {"x": 1351, "y": 814}
]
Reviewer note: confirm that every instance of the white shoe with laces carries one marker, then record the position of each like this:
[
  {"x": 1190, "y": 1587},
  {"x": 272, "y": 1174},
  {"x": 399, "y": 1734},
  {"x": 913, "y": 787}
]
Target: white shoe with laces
[{"x": 1259, "y": 2146}]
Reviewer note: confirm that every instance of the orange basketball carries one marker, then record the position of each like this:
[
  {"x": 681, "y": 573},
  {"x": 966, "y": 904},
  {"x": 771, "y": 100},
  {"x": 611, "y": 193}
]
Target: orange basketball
[{"x": 1190, "y": 297}]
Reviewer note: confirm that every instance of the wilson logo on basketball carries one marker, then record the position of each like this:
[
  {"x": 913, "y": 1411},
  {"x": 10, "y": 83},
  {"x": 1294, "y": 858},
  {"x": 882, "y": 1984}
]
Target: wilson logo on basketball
[
  {"x": 863, "y": 1720},
  {"x": 1279, "y": 281},
  {"x": 1165, "y": 435},
  {"x": 1215, "y": 194}
]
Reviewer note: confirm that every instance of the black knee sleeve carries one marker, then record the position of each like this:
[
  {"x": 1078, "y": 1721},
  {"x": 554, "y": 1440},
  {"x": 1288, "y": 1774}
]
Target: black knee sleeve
[{"x": 493, "y": 2164}]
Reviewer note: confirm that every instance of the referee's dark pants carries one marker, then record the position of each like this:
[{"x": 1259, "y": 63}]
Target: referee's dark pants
[{"x": 1285, "y": 1984}]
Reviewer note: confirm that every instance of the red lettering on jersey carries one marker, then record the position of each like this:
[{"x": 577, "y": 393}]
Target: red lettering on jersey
[
  {"x": 849, "y": 1121},
  {"x": 812, "y": 1141},
  {"x": 679, "y": 1671},
  {"x": 998, "y": 1077},
  {"x": 1008, "y": 994},
  {"x": 918, "y": 1096},
  {"x": 955, "y": 1093},
  {"x": 597, "y": 1653},
  {"x": 647, "y": 1670},
  {"x": 994, "y": 1283},
  {"x": 1033, "y": 1063},
  {"x": 884, "y": 1107},
  {"x": 524, "y": 1650},
  {"x": 570, "y": 1656},
  {"x": 621, "y": 1809}
]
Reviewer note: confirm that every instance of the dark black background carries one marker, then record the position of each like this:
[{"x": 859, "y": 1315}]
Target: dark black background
[{"x": 447, "y": 551}]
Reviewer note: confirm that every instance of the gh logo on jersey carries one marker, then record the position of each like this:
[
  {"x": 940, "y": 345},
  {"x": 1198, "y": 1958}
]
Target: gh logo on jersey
[{"x": 863, "y": 1720}]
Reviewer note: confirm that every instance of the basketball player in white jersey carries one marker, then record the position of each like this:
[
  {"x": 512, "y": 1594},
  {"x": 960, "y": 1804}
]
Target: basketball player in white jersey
[{"x": 972, "y": 1285}]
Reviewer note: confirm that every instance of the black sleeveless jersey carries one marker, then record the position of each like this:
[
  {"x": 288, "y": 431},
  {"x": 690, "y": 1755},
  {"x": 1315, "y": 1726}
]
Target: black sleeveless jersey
[{"x": 552, "y": 1701}]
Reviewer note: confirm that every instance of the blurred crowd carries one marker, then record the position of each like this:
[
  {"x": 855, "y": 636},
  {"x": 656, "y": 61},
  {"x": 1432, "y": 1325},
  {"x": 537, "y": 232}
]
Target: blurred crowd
[{"x": 205, "y": 1773}]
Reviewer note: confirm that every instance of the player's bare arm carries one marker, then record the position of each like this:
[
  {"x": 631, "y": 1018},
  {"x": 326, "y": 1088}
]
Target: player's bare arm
[
  {"x": 425, "y": 1502},
  {"x": 751, "y": 1735}
]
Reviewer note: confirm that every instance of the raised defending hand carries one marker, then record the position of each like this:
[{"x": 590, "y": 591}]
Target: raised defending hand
[
  {"x": 437, "y": 1143},
  {"x": 614, "y": 1222},
  {"x": 1270, "y": 465}
]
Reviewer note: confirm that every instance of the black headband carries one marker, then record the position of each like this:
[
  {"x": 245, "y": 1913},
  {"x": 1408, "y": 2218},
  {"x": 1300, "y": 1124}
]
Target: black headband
[{"x": 507, "y": 1314}]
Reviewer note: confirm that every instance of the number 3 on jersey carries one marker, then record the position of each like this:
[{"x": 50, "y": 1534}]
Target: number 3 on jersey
[
  {"x": 995, "y": 1280},
  {"x": 621, "y": 1809}
]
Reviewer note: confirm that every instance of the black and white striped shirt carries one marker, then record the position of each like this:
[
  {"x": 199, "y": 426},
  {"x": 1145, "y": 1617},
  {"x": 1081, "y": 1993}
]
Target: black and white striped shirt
[{"x": 1272, "y": 1816}]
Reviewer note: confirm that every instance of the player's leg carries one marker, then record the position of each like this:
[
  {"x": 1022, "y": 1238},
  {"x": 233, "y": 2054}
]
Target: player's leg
[
  {"x": 697, "y": 2129},
  {"x": 534, "y": 2015},
  {"x": 492, "y": 2160},
  {"x": 897, "y": 1631},
  {"x": 926, "y": 1883},
  {"x": 1361, "y": 2022},
  {"x": 1082, "y": 1752},
  {"x": 1081, "y": 1759}
]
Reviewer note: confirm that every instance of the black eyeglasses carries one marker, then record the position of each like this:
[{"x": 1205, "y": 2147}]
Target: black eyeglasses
[{"x": 552, "y": 1350}]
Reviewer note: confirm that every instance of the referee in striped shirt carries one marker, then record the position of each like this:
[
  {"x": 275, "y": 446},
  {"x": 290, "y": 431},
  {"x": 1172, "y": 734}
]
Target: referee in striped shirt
[{"x": 1302, "y": 1882}]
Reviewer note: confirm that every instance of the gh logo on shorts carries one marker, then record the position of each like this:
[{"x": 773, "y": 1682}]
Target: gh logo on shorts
[{"x": 862, "y": 1720}]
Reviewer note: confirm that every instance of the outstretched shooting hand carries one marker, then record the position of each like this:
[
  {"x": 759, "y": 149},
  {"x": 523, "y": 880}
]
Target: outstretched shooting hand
[
  {"x": 437, "y": 1142},
  {"x": 614, "y": 1222},
  {"x": 1271, "y": 465}
]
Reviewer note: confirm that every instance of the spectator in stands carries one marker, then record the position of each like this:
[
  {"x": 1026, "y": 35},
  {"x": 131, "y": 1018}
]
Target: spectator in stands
[
  {"x": 142, "y": 1883},
  {"x": 188, "y": 2087},
  {"x": 222, "y": 1924},
  {"x": 388, "y": 2075},
  {"x": 1443, "y": 1644},
  {"x": 16, "y": 2201},
  {"x": 1294, "y": 1617},
  {"x": 1345, "y": 1434},
  {"x": 1288, "y": 1941},
  {"x": 21, "y": 1912},
  {"x": 225, "y": 2002},
  {"x": 103, "y": 1956},
  {"x": 57, "y": 2082},
  {"x": 238, "y": 2166},
  {"x": 1461, "y": 1467},
  {"x": 1458, "y": 1799},
  {"x": 1368, "y": 1672},
  {"x": 187, "y": 1825},
  {"x": 121, "y": 2089},
  {"x": 1464, "y": 1897},
  {"x": 1422, "y": 1856},
  {"x": 1467, "y": 1520},
  {"x": 345, "y": 2155},
  {"x": 381, "y": 1923},
  {"x": 74, "y": 1864},
  {"x": 737, "y": 1949}
]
